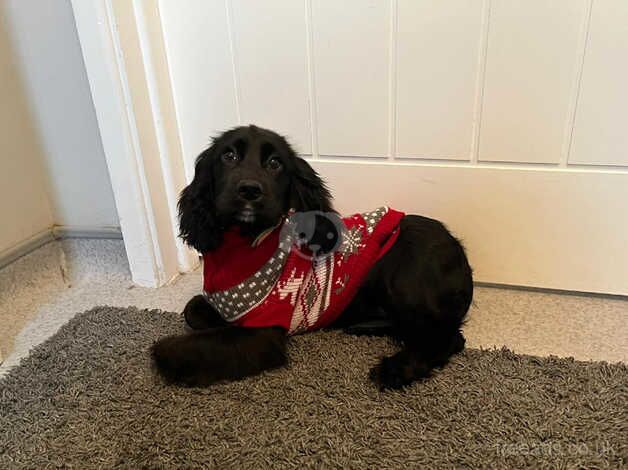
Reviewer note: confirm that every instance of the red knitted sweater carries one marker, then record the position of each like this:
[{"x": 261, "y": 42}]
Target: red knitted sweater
[{"x": 276, "y": 284}]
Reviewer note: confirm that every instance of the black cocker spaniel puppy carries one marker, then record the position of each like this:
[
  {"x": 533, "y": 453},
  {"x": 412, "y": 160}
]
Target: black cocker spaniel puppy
[{"x": 272, "y": 270}]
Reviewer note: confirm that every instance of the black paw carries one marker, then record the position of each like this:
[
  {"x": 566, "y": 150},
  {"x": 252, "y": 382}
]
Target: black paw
[
  {"x": 200, "y": 315},
  {"x": 458, "y": 342},
  {"x": 183, "y": 360},
  {"x": 167, "y": 359},
  {"x": 398, "y": 371},
  {"x": 205, "y": 357}
]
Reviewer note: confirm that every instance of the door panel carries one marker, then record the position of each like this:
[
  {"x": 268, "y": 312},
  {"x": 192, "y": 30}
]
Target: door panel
[
  {"x": 531, "y": 61},
  {"x": 351, "y": 76},
  {"x": 438, "y": 57},
  {"x": 529, "y": 227},
  {"x": 269, "y": 43},
  {"x": 198, "y": 48},
  {"x": 600, "y": 132}
]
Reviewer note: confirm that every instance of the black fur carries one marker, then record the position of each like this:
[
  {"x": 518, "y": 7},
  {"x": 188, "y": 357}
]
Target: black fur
[
  {"x": 224, "y": 353},
  {"x": 250, "y": 176}
]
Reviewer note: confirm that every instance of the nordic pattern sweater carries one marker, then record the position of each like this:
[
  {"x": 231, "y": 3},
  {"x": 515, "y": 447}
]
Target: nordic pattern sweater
[{"x": 276, "y": 283}]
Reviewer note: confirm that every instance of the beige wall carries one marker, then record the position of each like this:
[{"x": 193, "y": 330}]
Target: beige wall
[
  {"x": 24, "y": 207},
  {"x": 52, "y": 165},
  {"x": 48, "y": 56}
]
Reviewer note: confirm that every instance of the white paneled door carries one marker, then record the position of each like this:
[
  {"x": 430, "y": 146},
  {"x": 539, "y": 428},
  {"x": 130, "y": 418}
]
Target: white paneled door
[{"x": 508, "y": 120}]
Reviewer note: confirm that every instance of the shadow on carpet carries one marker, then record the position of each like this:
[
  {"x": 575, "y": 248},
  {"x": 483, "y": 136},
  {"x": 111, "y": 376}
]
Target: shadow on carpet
[{"x": 88, "y": 398}]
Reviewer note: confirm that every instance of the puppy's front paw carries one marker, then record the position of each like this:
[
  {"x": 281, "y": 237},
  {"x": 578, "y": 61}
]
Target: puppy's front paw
[
  {"x": 397, "y": 371},
  {"x": 168, "y": 360},
  {"x": 205, "y": 357},
  {"x": 200, "y": 315},
  {"x": 387, "y": 374}
]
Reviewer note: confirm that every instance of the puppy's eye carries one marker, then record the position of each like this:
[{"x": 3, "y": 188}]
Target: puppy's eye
[
  {"x": 274, "y": 163},
  {"x": 230, "y": 157}
]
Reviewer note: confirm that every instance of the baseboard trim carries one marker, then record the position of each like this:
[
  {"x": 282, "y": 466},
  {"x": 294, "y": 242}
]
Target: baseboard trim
[
  {"x": 72, "y": 231},
  {"x": 24, "y": 247},
  {"x": 58, "y": 232},
  {"x": 549, "y": 290}
]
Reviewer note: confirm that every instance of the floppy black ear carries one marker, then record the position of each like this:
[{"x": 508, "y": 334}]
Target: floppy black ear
[
  {"x": 308, "y": 191},
  {"x": 198, "y": 225}
]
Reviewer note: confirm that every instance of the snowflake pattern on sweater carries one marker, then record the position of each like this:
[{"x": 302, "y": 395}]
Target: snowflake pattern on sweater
[{"x": 299, "y": 293}]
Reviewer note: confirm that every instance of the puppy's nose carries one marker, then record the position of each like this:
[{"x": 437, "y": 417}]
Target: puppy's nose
[{"x": 250, "y": 190}]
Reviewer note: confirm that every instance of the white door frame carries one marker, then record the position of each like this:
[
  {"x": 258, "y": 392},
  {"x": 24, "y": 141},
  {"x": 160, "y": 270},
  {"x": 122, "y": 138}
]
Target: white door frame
[{"x": 128, "y": 75}]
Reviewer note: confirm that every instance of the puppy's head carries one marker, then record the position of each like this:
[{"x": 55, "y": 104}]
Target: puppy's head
[{"x": 249, "y": 177}]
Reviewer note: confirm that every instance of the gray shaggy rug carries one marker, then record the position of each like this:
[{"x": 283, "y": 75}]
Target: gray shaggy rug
[{"x": 88, "y": 398}]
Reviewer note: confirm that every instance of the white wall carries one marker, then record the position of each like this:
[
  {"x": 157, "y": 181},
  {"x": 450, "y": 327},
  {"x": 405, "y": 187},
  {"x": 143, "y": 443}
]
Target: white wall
[
  {"x": 49, "y": 59},
  {"x": 24, "y": 208}
]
